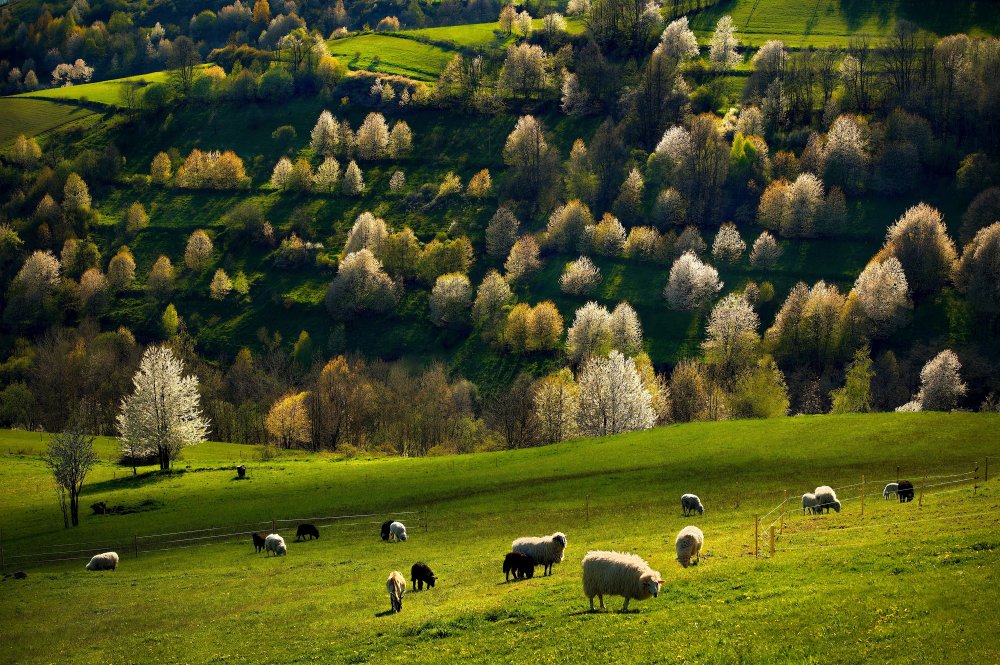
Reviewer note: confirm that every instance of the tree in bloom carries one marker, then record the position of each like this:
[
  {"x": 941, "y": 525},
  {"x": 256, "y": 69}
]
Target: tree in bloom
[
  {"x": 979, "y": 270},
  {"x": 361, "y": 286},
  {"x": 533, "y": 161},
  {"x": 523, "y": 258},
  {"x": 845, "y": 156},
  {"x": 288, "y": 422},
  {"x": 160, "y": 169},
  {"x": 281, "y": 176},
  {"x": 93, "y": 294},
  {"x": 590, "y": 334},
  {"x": 690, "y": 240},
  {"x": 501, "y": 232},
  {"x": 766, "y": 252},
  {"x": 161, "y": 278},
  {"x": 612, "y": 397},
  {"x": 121, "y": 270},
  {"x": 722, "y": 52},
  {"x": 353, "y": 183},
  {"x": 480, "y": 185},
  {"x": 609, "y": 236},
  {"x": 580, "y": 277},
  {"x": 678, "y": 43},
  {"x": 221, "y": 285},
  {"x": 163, "y": 414},
  {"x": 856, "y": 394},
  {"x": 372, "y": 139},
  {"x": 492, "y": 298},
  {"x": 198, "y": 253},
  {"x": 688, "y": 392},
  {"x": 728, "y": 246},
  {"x": 732, "y": 339},
  {"x": 883, "y": 295},
  {"x": 450, "y": 300},
  {"x": 76, "y": 194},
  {"x": 400, "y": 140},
  {"x": 325, "y": 136},
  {"x": 691, "y": 283},
  {"x": 570, "y": 227},
  {"x": 70, "y": 456},
  {"x": 920, "y": 241},
  {"x": 327, "y": 175},
  {"x": 628, "y": 205},
  {"x": 34, "y": 286},
  {"x": 397, "y": 182},
  {"x": 66, "y": 74},
  {"x": 26, "y": 152},
  {"x": 368, "y": 232},
  {"x": 626, "y": 329},
  {"x": 941, "y": 384}
]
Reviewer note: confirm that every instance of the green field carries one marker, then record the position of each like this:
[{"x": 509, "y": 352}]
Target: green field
[
  {"x": 397, "y": 55},
  {"x": 102, "y": 92},
  {"x": 32, "y": 117},
  {"x": 481, "y": 35},
  {"x": 902, "y": 579},
  {"x": 801, "y": 23}
]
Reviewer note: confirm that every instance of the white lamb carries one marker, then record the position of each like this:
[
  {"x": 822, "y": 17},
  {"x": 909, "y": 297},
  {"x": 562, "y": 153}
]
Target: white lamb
[
  {"x": 543, "y": 551},
  {"x": 826, "y": 498},
  {"x": 106, "y": 561},
  {"x": 275, "y": 544},
  {"x": 689, "y": 542},
  {"x": 809, "y": 503},
  {"x": 890, "y": 490},
  {"x": 691, "y": 503},
  {"x": 397, "y": 532},
  {"x": 617, "y": 574},
  {"x": 396, "y": 586}
]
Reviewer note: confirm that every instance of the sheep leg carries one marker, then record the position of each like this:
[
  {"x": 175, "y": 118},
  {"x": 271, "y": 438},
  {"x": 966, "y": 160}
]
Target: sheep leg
[
  {"x": 625, "y": 606},
  {"x": 592, "y": 604},
  {"x": 601, "y": 597}
]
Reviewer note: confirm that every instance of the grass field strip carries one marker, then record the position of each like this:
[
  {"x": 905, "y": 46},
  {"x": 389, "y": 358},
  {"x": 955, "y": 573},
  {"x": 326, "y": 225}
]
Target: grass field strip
[{"x": 135, "y": 546}]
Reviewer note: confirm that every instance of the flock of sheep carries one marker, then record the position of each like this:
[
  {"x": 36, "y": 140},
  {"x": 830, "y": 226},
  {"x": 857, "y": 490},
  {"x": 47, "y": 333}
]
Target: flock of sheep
[
  {"x": 823, "y": 498},
  {"x": 605, "y": 573}
]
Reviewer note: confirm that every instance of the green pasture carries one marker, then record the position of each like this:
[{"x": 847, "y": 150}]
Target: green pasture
[
  {"x": 32, "y": 117},
  {"x": 102, "y": 92},
  {"x": 481, "y": 35},
  {"x": 391, "y": 55},
  {"x": 915, "y": 579}
]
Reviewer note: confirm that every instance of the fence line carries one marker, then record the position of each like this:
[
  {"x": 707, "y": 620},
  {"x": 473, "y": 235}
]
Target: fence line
[{"x": 161, "y": 542}]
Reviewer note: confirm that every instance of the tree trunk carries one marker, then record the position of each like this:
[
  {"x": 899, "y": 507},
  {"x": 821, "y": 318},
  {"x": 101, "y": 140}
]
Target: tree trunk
[{"x": 74, "y": 508}]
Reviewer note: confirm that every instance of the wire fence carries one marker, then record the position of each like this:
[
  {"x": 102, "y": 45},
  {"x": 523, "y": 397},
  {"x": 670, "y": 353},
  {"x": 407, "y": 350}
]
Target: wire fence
[
  {"x": 770, "y": 527},
  {"x": 136, "y": 544}
]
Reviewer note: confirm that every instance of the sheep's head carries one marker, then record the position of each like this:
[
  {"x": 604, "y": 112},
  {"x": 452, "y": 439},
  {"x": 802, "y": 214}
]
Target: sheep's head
[
  {"x": 431, "y": 581},
  {"x": 836, "y": 506},
  {"x": 684, "y": 561},
  {"x": 701, "y": 509},
  {"x": 402, "y": 535},
  {"x": 651, "y": 583},
  {"x": 559, "y": 538}
]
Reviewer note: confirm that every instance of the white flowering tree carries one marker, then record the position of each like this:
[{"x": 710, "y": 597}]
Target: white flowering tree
[
  {"x": 580, "y": 277},
  {"x": 612, "y": 397},
  {"x": 941, "y": 384},
  {"x": 163, "y": 414},
  {"x": 883, "y": 295},
  {"x": 691, "y": 283},
  {"x": 368, "y": 232}
]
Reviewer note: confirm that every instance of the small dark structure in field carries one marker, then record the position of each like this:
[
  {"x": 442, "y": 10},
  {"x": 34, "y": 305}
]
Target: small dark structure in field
[
  {"x": 905, "y": 491},
  {"x": 258, "y": 541},
  {"x": 241, "y": 472},
  {"x": 520, "y": 565},
  {"x": 306, "y": 530},
  {"x": 421, "y": 574}
]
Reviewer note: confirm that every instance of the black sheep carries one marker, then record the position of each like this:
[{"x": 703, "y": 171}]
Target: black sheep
[
  {"x": 521, "y": 565},
  {"x": 385, "y": 530},
  {"x": 306, "y": 530},
  {"x": 258, "y": 541},
  {"x": 905, "y": 491},
  {"x": 420, "y": 574}
]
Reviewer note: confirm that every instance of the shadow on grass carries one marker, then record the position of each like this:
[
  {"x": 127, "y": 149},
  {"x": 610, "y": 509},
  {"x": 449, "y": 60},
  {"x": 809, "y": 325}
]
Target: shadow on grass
[
  {"x": 131, "y": 482},
  {"x": 385, "y": 613}
]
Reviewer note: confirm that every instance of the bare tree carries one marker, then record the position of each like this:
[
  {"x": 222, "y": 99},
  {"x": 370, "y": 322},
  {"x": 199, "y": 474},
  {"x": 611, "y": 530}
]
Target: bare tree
[{"x": 70, "y": 456}]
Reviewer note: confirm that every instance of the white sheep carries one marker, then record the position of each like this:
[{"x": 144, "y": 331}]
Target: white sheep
[
  {"x": 396, "y": 586},
  {"x": 809, "y": 503},
  {"x": 276, "y": 544},
  {"x": 543, "y": 551},
  {"x": 106, "y": 561},
  {"x": 826, "y": 498},
  {"x": 890, "y": 490},
  {"x": 689, "y": 542},
  {"x": 397, "y": 532},
  {"x": 691, "y": 503},
  {"x": 617, "y": 574}
]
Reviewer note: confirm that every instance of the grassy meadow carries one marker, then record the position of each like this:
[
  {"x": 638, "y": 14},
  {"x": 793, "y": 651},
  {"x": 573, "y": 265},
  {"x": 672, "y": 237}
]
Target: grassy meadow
[
  {"x": 819, "y": 23},
  {"x": 923, "y": 574},
  {"x": 34, "y": 117},
  {"x": 391, "y": 55}
]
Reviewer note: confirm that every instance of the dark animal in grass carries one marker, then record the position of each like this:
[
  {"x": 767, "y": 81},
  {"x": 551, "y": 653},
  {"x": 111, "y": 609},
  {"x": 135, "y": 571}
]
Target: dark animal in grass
[
  {"x": 306, "y": 530},
  {"x": 258, "y": 541},
  {"x": 521, "y": 566},
  {"x": 421, "y": 574},
  {"x": 385, "y": 530},
  {"x": 905, "y": 491}
]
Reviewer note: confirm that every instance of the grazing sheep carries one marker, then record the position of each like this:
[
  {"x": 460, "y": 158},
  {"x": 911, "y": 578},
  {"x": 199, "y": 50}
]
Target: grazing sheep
[
  {"x": 826, "y": 498},
  {"x": 617, "y": 574},
  {"x": 809, "y": 503},
  {"x": 258, "y": 541},
  {"x": 905, "y": 491},
  {"x": 519, "y": 564},
  {"x": 396, "y": 586},
  {"x": 306, "y": 530},
  {"x": 276, "y": 544},
  {"x": 691, "y": 503},
  {"x": 889, "y": 490},
  {"x": 421, "y": 574},
  {"x": 689, "y": 542},
  {"x": 385, "y": 529},
  {"x": 20, "y": 575},
  {"x": 543, "y": 551},
  {"x": 106, "y": 561},
  {"x": 397, "y": 532}
]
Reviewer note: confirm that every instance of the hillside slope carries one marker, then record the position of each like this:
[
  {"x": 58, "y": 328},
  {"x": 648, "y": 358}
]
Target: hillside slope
[{"x": 326, "y": 600}]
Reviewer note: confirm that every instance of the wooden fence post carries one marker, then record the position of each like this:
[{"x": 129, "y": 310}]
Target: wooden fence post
[
  {"x": 772, "y": 540},
  {"x": 426, "y": 519},
  {"x": 922, "y": 485},
  {"x": 897, "y": 475},
  {"x": 862, "y": 495},
  {"x": 135, "y": 545},
  {"x": 784, "y": 509},
  {"x": 975, "y": 485},
  {"x": 588, "y": 507},
  {"x": 756, "y": 535},
  {"x": 273, "y": 530}
]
